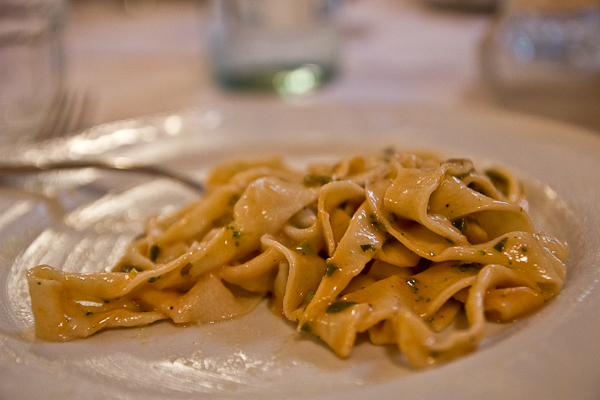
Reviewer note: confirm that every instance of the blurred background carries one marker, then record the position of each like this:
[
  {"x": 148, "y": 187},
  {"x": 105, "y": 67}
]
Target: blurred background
[{"x": 67, "y": 65}]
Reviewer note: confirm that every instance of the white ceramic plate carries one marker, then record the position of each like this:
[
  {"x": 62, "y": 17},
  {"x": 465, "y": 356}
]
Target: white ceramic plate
[{"x": 81, "y": 220}]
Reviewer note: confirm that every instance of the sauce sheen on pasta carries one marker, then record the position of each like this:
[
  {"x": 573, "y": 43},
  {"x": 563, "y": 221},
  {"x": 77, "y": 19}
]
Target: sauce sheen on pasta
[{"x": 408, "y": 250}]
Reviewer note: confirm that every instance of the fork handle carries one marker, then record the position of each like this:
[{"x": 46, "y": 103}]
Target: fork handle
[{"x": 114, "y": 165}]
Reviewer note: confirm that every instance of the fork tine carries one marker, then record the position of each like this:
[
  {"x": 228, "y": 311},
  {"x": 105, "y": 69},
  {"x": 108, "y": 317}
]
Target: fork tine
[
  {"x": 51, "y": 117},
  {"x": 69, "y": 114},
  {"x": 81, "y": 113},
  {"x": 63, "y": 115},
  {"x": 84, "y": 113}
]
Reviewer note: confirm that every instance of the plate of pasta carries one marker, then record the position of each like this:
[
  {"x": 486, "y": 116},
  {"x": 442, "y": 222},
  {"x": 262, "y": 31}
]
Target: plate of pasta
[{"x": 335, "y": 252}]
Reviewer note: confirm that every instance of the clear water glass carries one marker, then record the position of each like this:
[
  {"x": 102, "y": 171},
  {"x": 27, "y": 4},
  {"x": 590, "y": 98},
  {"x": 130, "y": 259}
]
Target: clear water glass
[
  {"x": 287, "y": 45},
  {"x": 548, "y": 45},
  {"x": 31, "y": 64}
]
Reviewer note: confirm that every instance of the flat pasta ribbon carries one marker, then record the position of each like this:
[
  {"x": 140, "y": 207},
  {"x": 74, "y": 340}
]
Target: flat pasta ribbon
[{"x": 407, "y": 250}]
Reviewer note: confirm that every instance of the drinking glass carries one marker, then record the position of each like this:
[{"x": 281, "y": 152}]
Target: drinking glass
[
  {"x": 286, "y": 45},
  {"x": 31, "y": 64}
]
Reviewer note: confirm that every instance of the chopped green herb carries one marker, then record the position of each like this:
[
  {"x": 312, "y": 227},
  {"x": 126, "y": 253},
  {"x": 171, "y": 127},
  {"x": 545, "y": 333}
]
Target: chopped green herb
[
  {"x": 153, "y": 279},
  {"x": 305, "y": 327},
  {"x": 524, "y": 249},
  {"x": 500, "y": 245},
  {"x": 430, "y": 319},
  {"x": 39, "y": 283},
  {"x": 331, "y": 268},
  {"x": 154, "y": 250},
  {"x": 339, "y": 306},
  {"x": 376, "y": 222},
  {"x": 414, "y": 289},
  {"x": 309, "y": 296},
  {"x": 306, "y": 247},
  {"x": 463, "y": 267},
  {"x": 378, "y": 225},
  {"x": 236, "y": 234},
  {"x": 367, "y": 247},
  {"x": 482, "y": 252},
  {"x": 186, "y": 269},
  {"x": 89, "y": 313}
]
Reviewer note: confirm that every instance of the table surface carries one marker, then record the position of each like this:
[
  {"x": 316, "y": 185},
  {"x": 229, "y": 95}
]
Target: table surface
[{"x": 143, "y": 57}]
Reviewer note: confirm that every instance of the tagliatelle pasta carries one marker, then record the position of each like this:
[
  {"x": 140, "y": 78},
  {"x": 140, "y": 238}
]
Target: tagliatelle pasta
[{"x": 408, "y": 250}]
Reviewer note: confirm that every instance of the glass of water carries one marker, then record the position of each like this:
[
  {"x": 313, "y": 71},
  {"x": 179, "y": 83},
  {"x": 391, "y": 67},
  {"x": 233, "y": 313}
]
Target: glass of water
[
  {"x": 545, "y": 45},
  {"x": 31, "y": 64},
  {"x": 286, "y": 45}
]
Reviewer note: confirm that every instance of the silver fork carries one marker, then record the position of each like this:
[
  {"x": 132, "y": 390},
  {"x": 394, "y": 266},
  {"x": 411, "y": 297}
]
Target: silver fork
[
  {"x": 70, "y": 113},
  {"x": 116, "y": 164}
]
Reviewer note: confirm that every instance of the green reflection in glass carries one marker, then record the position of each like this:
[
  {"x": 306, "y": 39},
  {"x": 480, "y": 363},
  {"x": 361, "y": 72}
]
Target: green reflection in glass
[{"x": 298, "y": 81}]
